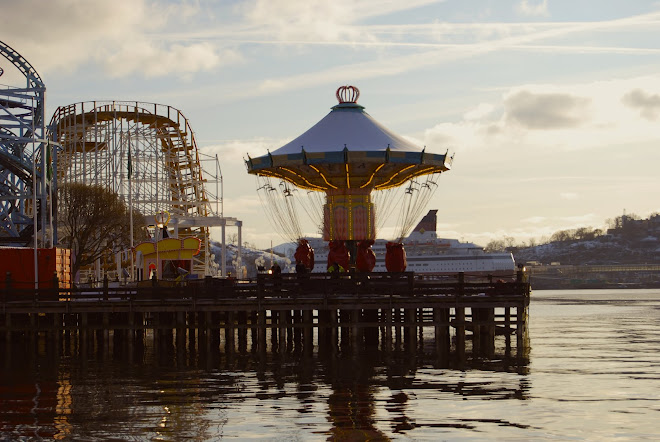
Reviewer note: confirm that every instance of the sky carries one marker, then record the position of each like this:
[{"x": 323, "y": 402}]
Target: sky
[{"x": 550, "y": 107}]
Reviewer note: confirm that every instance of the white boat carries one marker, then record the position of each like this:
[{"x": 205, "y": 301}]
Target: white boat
[{"x": 426, "y": 253}]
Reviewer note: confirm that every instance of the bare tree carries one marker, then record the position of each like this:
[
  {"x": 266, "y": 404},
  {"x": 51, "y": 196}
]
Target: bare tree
[
  {"x": 94, "y": 221},
  {"x": 496, "y": 245}
]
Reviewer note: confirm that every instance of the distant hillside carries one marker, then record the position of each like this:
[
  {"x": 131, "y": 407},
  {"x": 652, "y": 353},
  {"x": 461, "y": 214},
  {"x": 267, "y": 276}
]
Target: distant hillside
[{"x": 628, "y": 241}]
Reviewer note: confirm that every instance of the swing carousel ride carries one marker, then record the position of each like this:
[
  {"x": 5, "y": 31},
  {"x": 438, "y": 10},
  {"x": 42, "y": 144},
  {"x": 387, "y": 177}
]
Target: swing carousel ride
[{"x": 348, "y": 174}]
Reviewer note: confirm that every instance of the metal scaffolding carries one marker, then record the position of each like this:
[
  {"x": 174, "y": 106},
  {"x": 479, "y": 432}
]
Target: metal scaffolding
[
  {"x": 147, "y": 154},
  {"x": 25, "y": 178}
]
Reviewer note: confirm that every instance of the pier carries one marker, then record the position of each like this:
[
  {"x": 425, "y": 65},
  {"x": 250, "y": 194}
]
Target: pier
[{"x": 376, "y": 309}]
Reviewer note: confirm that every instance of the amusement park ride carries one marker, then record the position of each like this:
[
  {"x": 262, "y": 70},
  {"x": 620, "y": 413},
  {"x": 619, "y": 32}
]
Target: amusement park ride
[
  {"x": 343, "y": 172},
  {"x": 148, "y": 155},
  {"x": 348, "y": 172},
  {"x": 144, "y": 152},
  {"x": 25, "y": 182}
]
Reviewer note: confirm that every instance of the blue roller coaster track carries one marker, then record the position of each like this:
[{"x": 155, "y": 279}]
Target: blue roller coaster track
[{"x": 25, "y": 185}]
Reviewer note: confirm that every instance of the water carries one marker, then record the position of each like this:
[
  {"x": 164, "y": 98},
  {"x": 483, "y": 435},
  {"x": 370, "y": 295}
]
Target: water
[{"x": 592, "y": 373}]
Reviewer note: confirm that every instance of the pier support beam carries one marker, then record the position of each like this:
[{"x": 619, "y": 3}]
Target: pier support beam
[
  {"x": 308, "y": 332},
  {"x": 460, "y": 332},
  {"x": 441, "y": 324}
]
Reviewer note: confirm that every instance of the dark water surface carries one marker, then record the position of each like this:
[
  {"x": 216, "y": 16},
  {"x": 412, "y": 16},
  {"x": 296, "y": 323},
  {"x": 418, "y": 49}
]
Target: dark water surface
[{"x": 592, "y": 372}]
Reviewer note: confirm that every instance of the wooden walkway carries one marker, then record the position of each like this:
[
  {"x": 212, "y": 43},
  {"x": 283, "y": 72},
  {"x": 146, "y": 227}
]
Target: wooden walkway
[{"x": 353, "y": 303}]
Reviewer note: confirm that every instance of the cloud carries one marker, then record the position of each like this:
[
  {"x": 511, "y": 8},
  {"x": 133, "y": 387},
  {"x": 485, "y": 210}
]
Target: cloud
[
  {"x": 557, "y": 118},
  {"x": 121, "y": 36},
  {"x": 397, "y": 49},
  {"x": 152, "y": 61},
  {"x": 534, "y": 219},
  {"x": 648, "y": 104},
  {"x": 546, "y": 111},
  {"x": 538, "y": 9},
  {"x": 237, "y": 150},
  {"x": 482, "y": 110},
  {"x": 245, "y": 205},
  {"x": 578, "y": 220},
  {"x": 319, "y": 20},
  {"x": 156, "y": 38},
  {"x": 569, "y": 196}
]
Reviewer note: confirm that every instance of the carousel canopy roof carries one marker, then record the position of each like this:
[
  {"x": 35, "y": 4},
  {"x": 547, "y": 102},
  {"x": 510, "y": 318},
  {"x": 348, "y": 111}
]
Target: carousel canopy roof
[
  {"x": 348, "y": 149},
  {"x": 348, "y": 126}
]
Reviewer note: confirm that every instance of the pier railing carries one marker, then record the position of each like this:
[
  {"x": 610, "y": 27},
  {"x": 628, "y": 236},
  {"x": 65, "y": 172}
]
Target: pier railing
[{"x": 286, "y": 286}]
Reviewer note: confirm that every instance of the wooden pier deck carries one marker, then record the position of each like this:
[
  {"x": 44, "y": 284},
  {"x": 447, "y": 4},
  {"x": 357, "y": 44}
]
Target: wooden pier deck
[{"x": 364, "y": 308}]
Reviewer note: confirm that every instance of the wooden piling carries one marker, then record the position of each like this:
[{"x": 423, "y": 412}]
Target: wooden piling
[{"x": 375, "y": 313}]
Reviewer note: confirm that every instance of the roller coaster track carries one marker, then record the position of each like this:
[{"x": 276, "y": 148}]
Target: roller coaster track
[
  {"x": 97, "y": 139},
  {"x": 22, "y": 142},
  {"x": 34, "y": 80}
]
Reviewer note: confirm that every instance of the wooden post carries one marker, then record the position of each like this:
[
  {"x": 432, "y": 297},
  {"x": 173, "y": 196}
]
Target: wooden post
[
  {"x": 242, "y": 331},
  {"x": 355, "y": 330},
  {"x": 507, "y": 329},
  {"x": 323, "y": 327},
  {"x": 139, "y": 331},
  {"x": 83, "y": 333},
  {"x": 460, "y": 317},
  {"x": 283, "y": 317},
  {"x": 308, "y": 332},
  {"x": 521, "y": 320},
  {"x": 476, "y": 329},
  {"x": 460, "y": 331},
  {"x": 334, "y": 329},
  {"x": 488, "y": 332},
  {"x": 106, "y": 332},
  {"x": 441, "y": 323},
  {"x": 387, "y": 320},
  {"x": 192, "y": 322},
  {"x": 371, "y": 331},
  {"x": 261, "y": 341},
  {"x": 180, "y": 338},
  {"x": 396, "y": 319},
  {"x": 274, "y": 318},
  {"x": 105, "y": 286},
  {"x": 207, "y": 332},
  {"x": 254, "y": 341},
  {"x": 297, "y": 332},
  {"x": 420, "y": 326},
  {"x": 8, "y": 325},
  {"x": 344, "y": 337},
  {"x": 229, "y": 333},
  {"x": 519, "y": 326},
  {"x": 410, "y": 329}
]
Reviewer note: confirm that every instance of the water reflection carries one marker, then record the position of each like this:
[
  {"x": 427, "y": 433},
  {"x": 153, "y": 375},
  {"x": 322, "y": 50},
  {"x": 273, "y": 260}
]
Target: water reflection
[{"x": 204, "y": 384}]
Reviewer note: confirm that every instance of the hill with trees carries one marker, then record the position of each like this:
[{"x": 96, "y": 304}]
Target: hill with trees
[{"x": 628, "y": 239}]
